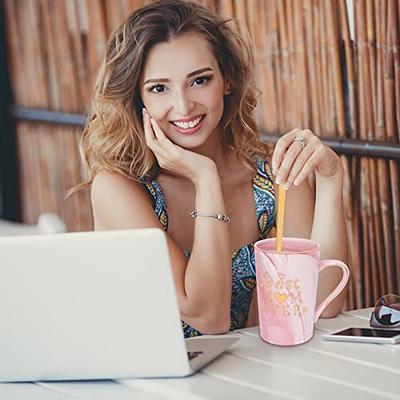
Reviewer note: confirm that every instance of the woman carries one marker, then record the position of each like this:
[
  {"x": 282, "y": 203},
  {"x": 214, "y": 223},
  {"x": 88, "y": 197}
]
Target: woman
[{"x": 172, "y": 143}]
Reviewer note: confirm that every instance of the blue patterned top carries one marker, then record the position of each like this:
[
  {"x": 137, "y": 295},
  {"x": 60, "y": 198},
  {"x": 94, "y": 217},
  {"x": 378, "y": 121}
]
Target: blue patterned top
[{"x": 243, "y": 261}]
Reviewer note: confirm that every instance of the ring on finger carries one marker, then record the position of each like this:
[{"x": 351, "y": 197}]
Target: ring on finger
[{"x": 301, "y": 140}]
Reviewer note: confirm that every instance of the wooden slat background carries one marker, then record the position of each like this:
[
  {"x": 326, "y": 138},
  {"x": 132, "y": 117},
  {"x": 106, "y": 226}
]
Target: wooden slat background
[{"x": 315, "y": 69}]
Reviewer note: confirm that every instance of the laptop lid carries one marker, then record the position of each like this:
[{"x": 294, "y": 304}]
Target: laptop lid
[{"x": 89, "y": 305}]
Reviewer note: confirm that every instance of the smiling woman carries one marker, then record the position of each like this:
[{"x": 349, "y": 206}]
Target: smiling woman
[{"x": 172, "y": 124}]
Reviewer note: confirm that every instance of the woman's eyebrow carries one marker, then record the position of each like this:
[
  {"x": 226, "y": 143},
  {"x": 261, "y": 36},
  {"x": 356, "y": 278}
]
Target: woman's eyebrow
[{"x": 198, "y": 71}]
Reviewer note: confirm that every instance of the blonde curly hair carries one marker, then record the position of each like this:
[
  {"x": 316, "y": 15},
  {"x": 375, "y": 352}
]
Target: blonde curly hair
[{"x": 113, "y": 138}]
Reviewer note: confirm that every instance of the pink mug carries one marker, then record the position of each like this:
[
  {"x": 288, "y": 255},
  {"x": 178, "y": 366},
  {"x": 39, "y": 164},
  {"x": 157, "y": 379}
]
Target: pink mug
[{"x": 287, "y": 289}]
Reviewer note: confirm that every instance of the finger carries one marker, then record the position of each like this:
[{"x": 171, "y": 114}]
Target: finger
[
  {"x": 280, "y": 148},
  {"x": 313, "y": 145},
  {"x": 148, "y": 130},
  {"x": 289, "y": 159},
  {"x": 150, "y": 137},
  {"x": 160, "y": 135},
  {"x": 301, "y": 159},
  {"x": 168, "y": 149},
  {"x": 308, "y": 167}
]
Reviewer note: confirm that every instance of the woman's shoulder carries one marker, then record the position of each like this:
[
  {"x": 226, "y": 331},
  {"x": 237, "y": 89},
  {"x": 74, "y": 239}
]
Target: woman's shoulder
[
  {"x": 105, "y": 178},
  {"x": 120, "y": 201},
  {"x": 109, "y": 185}
]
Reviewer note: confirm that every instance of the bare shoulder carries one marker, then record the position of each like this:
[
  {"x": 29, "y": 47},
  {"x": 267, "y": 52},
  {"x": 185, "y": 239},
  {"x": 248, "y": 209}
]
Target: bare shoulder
[
  {"x": 119, "y": 202},
  {"x": 113, "y": 185}
]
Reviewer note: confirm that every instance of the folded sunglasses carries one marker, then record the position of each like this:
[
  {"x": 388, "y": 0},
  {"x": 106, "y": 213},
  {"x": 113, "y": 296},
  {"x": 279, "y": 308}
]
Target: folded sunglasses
[{"x": 386, "y": 313}]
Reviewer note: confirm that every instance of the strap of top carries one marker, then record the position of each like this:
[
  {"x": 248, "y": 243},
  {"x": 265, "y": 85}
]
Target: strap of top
[
  {"x": 263, "y": 189},
  {"x": 158, "y": 202}
]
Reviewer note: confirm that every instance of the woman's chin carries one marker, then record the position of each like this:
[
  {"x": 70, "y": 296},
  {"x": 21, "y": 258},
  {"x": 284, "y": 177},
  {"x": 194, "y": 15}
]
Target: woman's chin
[{"x": 188, "y": 141}]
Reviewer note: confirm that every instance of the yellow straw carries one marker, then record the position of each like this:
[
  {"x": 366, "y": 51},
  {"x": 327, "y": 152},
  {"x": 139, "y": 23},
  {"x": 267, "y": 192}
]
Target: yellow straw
[{"x": 280, "y": 217}]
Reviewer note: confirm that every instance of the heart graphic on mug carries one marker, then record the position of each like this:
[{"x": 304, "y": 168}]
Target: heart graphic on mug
[{"x": 280, "y": 297}]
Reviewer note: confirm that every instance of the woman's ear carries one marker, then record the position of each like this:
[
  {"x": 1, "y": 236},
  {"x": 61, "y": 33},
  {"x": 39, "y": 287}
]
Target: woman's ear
[{"x": 227, "y": 89}]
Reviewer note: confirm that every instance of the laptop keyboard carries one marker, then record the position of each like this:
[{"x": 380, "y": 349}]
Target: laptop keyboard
[{"x": 193, "y": 354}]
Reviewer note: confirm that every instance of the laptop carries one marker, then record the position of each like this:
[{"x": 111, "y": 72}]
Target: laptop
[{"x": 94, "y": 305}]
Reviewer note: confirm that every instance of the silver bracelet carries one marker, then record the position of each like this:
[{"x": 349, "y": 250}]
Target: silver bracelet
[{"x": 219, "y": 217}]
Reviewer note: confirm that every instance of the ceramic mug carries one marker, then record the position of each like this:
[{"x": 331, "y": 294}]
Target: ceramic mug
[{"x": 287, "y": 289}]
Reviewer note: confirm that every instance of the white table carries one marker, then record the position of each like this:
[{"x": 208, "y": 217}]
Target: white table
[{"x": 253, "y": 369}]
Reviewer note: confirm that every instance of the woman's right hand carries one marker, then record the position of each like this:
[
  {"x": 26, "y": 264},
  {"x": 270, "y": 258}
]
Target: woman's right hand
[{"x": 174, "y": 158}]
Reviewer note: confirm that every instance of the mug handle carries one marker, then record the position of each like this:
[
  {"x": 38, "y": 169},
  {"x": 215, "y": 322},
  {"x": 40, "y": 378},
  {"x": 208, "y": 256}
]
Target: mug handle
[{"x": 342, "y": 284}]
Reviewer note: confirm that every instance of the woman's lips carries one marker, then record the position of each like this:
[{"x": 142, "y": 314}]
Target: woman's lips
[{"x": 190, "y": 131}]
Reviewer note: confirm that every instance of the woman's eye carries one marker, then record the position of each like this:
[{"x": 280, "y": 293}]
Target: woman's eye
[
  {"x": 201, "y": 80},
  {"x": 157, "y": 88}
]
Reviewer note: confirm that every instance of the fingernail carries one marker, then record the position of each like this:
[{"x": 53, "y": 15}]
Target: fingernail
[
  {"x": 278, "y": 180},
  {"x": 296, "y": 182},
  {"x": 144, "y": 112},
  {"x": 287, "y": 186}
]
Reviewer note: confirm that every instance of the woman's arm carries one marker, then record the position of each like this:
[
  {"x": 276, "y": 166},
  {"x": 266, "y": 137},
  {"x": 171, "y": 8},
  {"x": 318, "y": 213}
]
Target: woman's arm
[
  {"x": 321, "y": 218},
  {"x": 203, "y": 283},
  {"x": 315, "y": 210},
  {"x": 329, "y": 230}
]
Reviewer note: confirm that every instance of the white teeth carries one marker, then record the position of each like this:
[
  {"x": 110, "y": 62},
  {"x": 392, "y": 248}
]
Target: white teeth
[{"x": 187, "y": 125}]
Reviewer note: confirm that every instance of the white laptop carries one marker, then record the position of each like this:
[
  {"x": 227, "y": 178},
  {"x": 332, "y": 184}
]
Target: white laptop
[{"x": 94, "y": 305}]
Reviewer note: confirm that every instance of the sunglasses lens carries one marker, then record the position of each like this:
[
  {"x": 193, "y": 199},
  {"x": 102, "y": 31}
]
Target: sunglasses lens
[{"x": 387, "y": 310}]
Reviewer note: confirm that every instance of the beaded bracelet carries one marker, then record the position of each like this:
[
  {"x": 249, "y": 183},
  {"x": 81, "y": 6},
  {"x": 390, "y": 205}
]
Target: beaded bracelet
[{"x": 219, "y": 217}]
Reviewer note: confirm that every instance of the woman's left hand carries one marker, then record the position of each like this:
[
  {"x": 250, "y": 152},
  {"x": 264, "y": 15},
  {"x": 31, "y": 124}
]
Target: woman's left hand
[{"x": 299, "y": 153}]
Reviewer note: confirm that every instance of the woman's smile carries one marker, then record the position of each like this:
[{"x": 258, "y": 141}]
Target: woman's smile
[{"x": 189, "y": 126}]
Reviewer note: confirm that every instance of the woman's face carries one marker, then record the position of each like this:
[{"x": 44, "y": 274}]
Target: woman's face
[{"x": 183, "y": 90}]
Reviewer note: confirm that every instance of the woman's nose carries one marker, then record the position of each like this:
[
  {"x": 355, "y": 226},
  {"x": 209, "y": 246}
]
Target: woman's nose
[{"x": 183, "y": 104}]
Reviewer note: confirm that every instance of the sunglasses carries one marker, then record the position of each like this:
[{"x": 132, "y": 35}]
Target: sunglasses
[{"x": 386, "y": 313}]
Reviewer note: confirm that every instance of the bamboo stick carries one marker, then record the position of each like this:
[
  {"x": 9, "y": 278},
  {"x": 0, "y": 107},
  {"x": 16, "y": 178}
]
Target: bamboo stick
[
  {"x": 96, "y": 37},
  {"x": 324, "y": 71},
  {"x": 311, "y": 65},
  {"x": 274, "y": 30},
  {"x": 225, "y": 8},
  {"x": 351, "y": 192},
  {"x": 298, "y": 48},
  {"x": 395, "y": 189},
  {"x": 379, "y": 269},
  {"x": 335, "y": 62},
  {"x": 284, "y": 68},
  {"x": 390, "y": 123},
  {"x": 268, "y": 82},
  {"x": 394, "y": 167},
  {"x": 349, "y": 78},
  {"x": 114, "y": 14},
  {"x": 14, "y": 48},
  {"x": 318, "y": 67},
  {"x": 54, "y": 101},
  {"x": 365, "y": 189},
  {"x": 395, "y": 15},
  {"x": 68, "y": 92},
  {"x": 80, "y": 72},
  {"x": 305, "y": 59}
]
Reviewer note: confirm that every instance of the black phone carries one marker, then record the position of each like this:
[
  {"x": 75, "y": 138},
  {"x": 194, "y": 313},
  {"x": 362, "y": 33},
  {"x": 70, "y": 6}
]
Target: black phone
[{"x": 365, "y": 335}]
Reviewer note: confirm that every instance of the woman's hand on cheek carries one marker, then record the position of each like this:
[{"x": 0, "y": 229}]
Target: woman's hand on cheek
[
  {"x": 293, "y": 162},
  {"x": 174, "y": 158}
]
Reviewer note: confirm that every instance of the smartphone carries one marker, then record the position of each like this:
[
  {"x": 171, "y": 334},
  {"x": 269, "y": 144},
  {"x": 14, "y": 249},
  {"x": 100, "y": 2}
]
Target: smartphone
[{"x": 365, "y": 335}]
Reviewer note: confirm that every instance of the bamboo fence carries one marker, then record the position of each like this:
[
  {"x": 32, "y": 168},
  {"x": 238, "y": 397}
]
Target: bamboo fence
[{"x": 329, "y": 65}]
